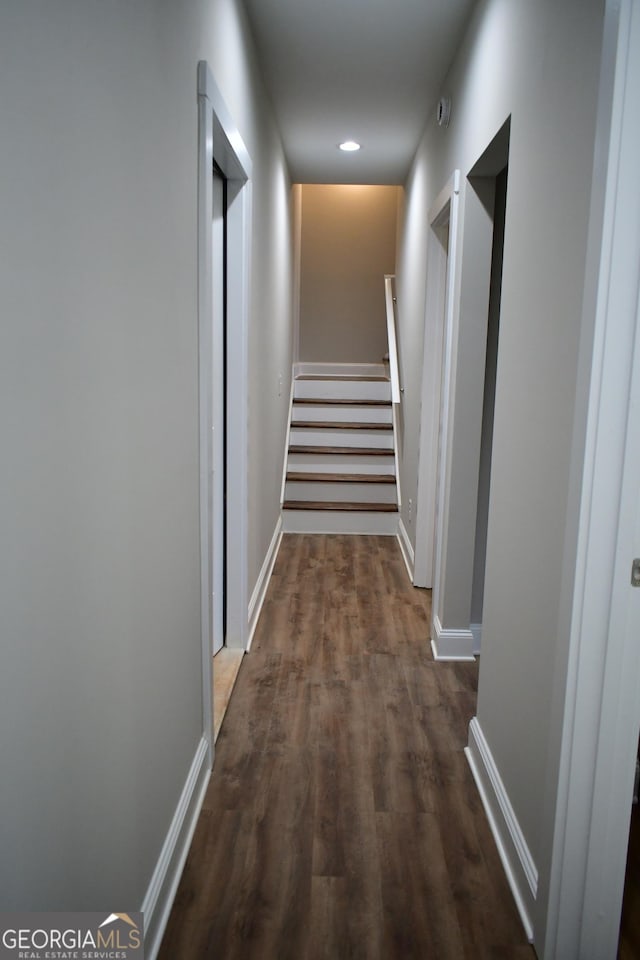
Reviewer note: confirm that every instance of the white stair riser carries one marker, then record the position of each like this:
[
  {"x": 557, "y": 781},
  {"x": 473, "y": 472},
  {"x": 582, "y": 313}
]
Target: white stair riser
[
  {"x": 343, "y": 389},
  {"x": 321, "y": 463},
  {"x": 340, "y": 370},
  {"x": 333, "y": 412},
  {"x": 321, "y": 521},
  {"x": 340, "y": 492},
  {"x": 319, "y": 437}
]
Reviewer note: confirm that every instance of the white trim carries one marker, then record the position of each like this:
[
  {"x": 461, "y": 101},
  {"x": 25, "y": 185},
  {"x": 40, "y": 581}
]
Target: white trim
[
  {"x": 219, "y": 137},
  {"x": 297, "y": 267},
  {"x": 451, "y": 644},
  {"x": 361, "y": 523},
  {"x": 260, "y": 589},
  {"x": 238, "y": 241},
  {"x": 442, "y": 272},
  {"x": 599, "y": 698},
  {"x": 406, "y": 548},
  {"x": 226, "y": 142},
  {"x": 162, "y": 888},
  {"x": 517, "y": 861},
  {"x": 217, "y": 401},
  {"x": 394, "y": 370},
  {"x": 205, "y": 389},
  {"x": 476, "y": 630},
  {"x": 308, "y": 369}
]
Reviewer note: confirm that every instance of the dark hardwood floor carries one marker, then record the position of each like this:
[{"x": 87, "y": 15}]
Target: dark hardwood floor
[
  {"x": 629, "y": 947},
  {"x": 342, "y": 820}
]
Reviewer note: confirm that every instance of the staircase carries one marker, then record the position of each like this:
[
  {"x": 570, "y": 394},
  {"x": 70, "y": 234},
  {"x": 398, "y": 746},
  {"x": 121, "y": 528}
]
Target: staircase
[{"x": 340, "y": 471}]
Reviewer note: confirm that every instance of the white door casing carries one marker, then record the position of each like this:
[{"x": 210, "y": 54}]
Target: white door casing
[
  {"x": 601, "y": 697},
  {"x": 441, "y": 265},
  {"x": 219, "y": 137},
  {"x": 216, "y": 526}
]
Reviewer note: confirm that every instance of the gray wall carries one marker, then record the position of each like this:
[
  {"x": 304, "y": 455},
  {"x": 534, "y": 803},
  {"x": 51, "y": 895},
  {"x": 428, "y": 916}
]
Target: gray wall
[
  {"x": 538, "y": 63},
  {"x": 100, "y": 688},
  {"x": 348, "y": 244}
]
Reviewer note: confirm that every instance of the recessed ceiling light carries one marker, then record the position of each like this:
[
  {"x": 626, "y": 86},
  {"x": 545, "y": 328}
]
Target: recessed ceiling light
[{"x": 349, "y": 146}]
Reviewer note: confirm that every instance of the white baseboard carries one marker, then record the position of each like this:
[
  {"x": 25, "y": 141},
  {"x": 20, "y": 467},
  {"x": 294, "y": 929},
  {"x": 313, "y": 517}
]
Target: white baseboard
[
  {"x": 451, "y": 644},
  {"x": 406, "y": 548},
  {"x": 310, "y": 369},
  {"x": 517, "y": 861},
  {"x": 260, "y": 589},
  {"x": 161, "y": 892},
  {"x": 476, "y": 630}
]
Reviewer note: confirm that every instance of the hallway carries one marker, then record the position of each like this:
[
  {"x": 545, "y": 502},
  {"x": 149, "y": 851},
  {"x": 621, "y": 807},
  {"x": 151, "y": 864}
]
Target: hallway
[{"x": 342, "y": 819}]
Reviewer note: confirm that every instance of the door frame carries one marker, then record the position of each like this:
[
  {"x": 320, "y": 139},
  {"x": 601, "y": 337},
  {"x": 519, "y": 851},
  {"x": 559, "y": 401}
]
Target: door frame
[
  {"x": 218, "y": 403},
  {"x": 442, "y": 274},
  {"x": 218, "y": 137},
  {"x": 580, "y": 914}
]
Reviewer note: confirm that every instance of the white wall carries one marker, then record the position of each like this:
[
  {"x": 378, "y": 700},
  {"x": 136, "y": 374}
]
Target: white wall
[
  {"x": 538, "y": 63},
  {"x": 348, "y": 244},
  {"x": 100, "y": 699}
]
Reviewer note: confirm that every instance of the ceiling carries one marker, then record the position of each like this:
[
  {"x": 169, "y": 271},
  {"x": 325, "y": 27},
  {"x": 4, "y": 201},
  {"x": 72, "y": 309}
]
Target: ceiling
[{"x": 367, "y": 70}]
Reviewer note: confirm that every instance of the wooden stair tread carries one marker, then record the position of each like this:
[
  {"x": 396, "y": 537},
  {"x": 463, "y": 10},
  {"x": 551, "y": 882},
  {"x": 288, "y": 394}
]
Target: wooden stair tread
[
  {"x": 322, "y": 401},
  {"x": 340, "y": 507},
  {"x": 342, "y": 451},
  {"x": 338, "y": 425},
  {"x": 295, "y": 476},
  {"x": 353, "y": 379}
]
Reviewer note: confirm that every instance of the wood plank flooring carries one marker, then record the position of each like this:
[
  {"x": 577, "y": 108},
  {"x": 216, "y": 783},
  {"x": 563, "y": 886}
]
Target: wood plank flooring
[
  {"x": 306, "y": 476},
  {"x": 343, "y": 451},
  {"x": 341, "y": 820},
  {"x": 339, "y": 425},
  {"x": 629, "y": 947},
  {"x": 226, "y": 665},
  {"x": 353, "y": 506}
]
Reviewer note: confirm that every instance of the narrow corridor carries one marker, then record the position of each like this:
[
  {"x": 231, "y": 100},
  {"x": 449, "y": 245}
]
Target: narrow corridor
[{"x": 342, "y": 819}]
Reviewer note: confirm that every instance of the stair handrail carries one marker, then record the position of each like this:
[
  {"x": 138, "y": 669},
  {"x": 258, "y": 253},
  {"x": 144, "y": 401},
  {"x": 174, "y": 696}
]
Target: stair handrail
[
  {"x": 394, "y": 373},
  {"x": 394, "y": 369},
  {"x": 292, "y": 394}
]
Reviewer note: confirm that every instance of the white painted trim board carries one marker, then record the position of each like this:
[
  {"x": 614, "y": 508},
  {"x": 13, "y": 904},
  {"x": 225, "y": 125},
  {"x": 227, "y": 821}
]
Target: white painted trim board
[
  {"x": 476, "y": 630},
  {"x": 600, "y": 695},
  {"x": 406, "y": 548},
  {"x": 218, "y": 136},
  {"x": 519, "y": 866},
  {"x": 447, "y": 208},
  {"x": 438, "y": 265},
  {"x": 262, "y": 584},
  {"x": 162, "y": 888},
  {"x": 328, "y": 521},
  {"x": 451, "y": 644},
  {"x": 306, "y": 368}
]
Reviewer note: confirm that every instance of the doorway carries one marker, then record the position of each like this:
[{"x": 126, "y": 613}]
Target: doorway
[
  {"x": 499, "y": 190},
  {"x": 464, "y": 269},
  {"x": 224, "y": 233},
  {"x": 441, "y": 279}
]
